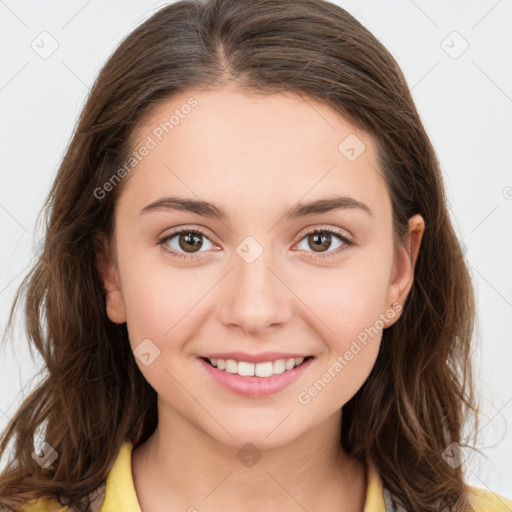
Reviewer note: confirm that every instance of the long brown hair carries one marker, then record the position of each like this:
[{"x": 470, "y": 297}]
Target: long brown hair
[{"x": 93, "y": 397}]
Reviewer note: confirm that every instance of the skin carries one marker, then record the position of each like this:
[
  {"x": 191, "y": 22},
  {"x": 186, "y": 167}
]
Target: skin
[{"x": 255, "y": 156}]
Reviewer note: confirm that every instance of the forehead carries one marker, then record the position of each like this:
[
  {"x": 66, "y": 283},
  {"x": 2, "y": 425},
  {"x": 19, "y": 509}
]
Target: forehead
[{"x": 256, "y": 150}]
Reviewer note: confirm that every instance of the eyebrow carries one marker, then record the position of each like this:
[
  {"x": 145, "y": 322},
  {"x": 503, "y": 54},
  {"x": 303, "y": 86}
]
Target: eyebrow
[{"x": 207, "y": 209}]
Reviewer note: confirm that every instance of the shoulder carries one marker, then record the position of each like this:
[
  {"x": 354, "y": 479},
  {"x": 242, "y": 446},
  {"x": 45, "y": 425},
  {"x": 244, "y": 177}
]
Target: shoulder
[
  {"x": 43, "y": 505},
  {"x": 96, "y": 497},
  {"x": 117, "y": 478},
  {"x": 487, "y": 501}
]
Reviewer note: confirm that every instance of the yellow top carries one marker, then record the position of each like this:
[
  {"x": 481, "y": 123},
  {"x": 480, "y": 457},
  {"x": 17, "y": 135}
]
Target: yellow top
[{"x": 119, "y": 492}]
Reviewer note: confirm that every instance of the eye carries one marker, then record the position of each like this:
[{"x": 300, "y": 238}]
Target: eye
[
  {"x": 187, "y": 240},
  {"x": 320, "y": 238}
]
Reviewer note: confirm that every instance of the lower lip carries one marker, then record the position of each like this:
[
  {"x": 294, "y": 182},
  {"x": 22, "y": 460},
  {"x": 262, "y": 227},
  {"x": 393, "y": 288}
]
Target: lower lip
[{"x": 256, "y": 386}]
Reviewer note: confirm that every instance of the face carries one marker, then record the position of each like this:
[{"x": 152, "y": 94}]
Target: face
[{"x": 255, "y": 280}]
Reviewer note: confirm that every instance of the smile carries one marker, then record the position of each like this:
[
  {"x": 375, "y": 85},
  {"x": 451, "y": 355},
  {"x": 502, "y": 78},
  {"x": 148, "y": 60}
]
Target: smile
[
  {"x": 262, "y": 380},
  {"x": 264, "y": 369}
]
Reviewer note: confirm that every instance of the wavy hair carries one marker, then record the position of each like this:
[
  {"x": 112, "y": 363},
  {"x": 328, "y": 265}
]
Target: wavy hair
[{"x": 92, "y": 396}]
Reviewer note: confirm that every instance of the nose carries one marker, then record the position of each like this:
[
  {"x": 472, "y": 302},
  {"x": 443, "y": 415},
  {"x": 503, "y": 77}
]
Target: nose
[{"x": 254, "y": 297}]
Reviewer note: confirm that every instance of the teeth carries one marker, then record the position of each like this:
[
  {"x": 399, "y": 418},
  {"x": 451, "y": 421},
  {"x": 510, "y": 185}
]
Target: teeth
[{"x": 266, "y": 369}]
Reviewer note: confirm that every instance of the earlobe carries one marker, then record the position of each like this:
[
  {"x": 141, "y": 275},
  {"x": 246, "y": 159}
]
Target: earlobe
[
  {"x": 402, "y": 276},
  {"x": 115, "y": 308},
  {"x": 109, "y": 275}
]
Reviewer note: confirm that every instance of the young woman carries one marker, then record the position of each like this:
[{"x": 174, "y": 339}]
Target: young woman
[{"x": 253, "y": 296}]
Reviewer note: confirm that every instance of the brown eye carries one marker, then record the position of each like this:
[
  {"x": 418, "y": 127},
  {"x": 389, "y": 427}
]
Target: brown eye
[
  {"x": 321, "y": 239},
  {"x": 189, "y": 241}
]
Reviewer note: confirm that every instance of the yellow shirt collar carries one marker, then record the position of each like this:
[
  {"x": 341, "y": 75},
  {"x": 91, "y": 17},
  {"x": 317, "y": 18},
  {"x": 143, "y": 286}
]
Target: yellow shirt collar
[{"x": 120, "y": 490}]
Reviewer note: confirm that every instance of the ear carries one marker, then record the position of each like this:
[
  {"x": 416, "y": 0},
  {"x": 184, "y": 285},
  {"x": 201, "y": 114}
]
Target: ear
[
  {"x": 402, "y": 274},
  {"x": 109, "y": 274}
]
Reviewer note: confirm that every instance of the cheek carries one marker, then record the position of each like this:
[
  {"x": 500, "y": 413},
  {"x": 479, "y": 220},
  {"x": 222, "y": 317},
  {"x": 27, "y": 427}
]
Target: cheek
[
  {"x": 347, "y": 319},
  {"x": 348, "y": 299},
  {"x": 348, "y": 305},
  {"x": 159, "y": 299},
  {"x": 162, "y": 316}
]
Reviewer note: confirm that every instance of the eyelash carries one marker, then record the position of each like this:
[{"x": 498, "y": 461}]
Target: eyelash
[{"x": 346, "y": 241}]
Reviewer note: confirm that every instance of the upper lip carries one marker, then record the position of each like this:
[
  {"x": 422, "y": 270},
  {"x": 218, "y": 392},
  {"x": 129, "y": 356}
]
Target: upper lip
[{"x": 255, "y": 358}]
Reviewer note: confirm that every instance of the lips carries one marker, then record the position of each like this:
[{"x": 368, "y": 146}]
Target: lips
[{"x": 255, "y": 387}]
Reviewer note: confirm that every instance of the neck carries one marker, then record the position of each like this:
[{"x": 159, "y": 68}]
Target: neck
[{"x": 182, "y": 468}]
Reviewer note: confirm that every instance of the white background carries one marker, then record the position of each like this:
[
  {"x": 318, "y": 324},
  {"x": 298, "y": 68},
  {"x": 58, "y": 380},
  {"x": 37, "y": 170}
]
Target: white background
[{"x": 465, "y": 103}]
